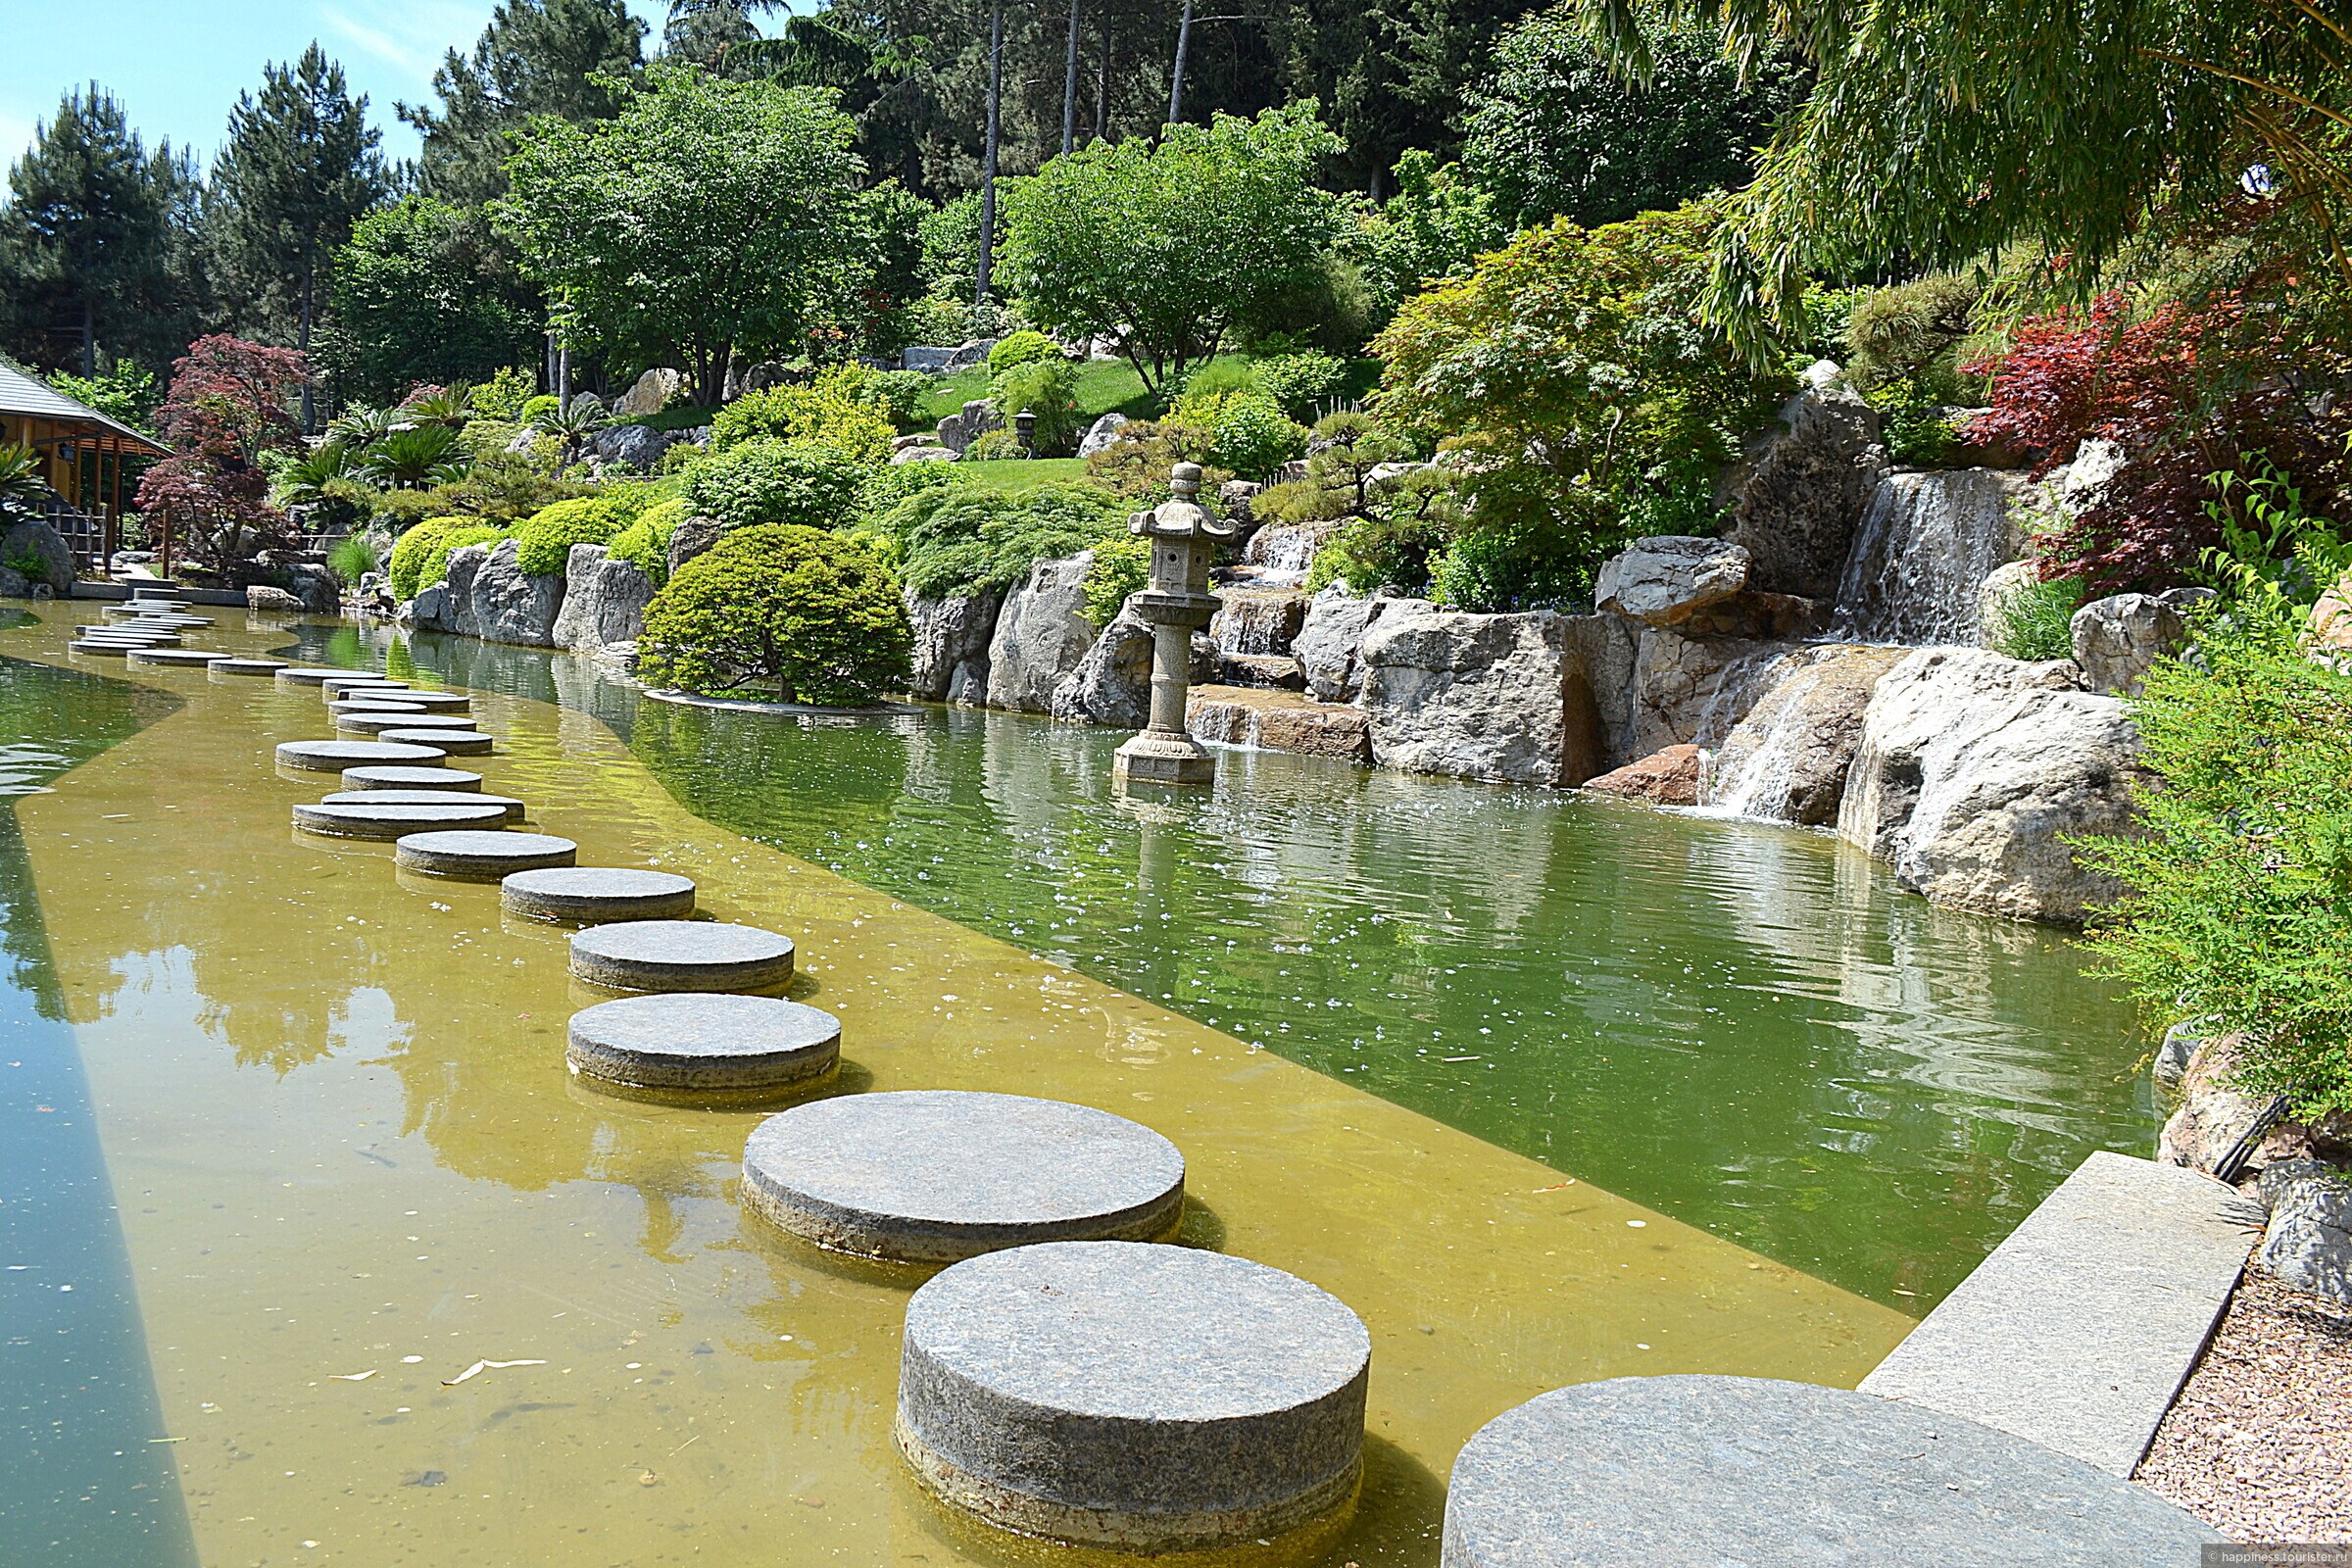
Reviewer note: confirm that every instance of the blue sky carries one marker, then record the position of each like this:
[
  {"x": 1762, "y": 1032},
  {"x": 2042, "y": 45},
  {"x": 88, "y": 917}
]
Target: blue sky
[{"x": 177, "y": 65}]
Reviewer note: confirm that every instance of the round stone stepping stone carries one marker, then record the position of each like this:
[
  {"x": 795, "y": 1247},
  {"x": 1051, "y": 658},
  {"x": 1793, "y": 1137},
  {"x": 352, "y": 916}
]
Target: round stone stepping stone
[
  {"x": 176, "y": 622},
  {"x": 334, "y": 685},
  {"x": 475, "y": 857},
  {"x": 1136, "y": 1397},
  {"x": 409, "y": 778},
  {"x": 452, "y": 742},
  {"x": 508, "y": 805},
  {"x": 104, "y": 650},
  {"x": 935, "y": 1175},
  {"x": 1685, "y": 1469},
  {"x": 389, "y": 705},
  {"x": 175, "y": 656},
  {"x": 703, "y": 1042},
  {"x": 367, "y": 721},
  {"x": 308, "y": 675},
  {"x": 437, "y": 701},
  {"x": 681, "y": 955},
  {"x": 248, "y": 667},
  {"x": 134, "y": 639},
  {"x": 345, "y": 820},
  {"x": 332, "y": 757},
  {"x": 594, "y": 894}
]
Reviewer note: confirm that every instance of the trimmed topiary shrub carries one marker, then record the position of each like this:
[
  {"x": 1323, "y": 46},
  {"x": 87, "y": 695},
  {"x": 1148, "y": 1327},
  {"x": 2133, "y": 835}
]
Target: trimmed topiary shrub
[
  {"x": 421, "y": 556},
  {"x": 817, "y": 416},
  {"x": 769, "y": 481},
  {"x": 645, "y": 543},
  {"x": 544, "y": 540},
  {"x": 1024, "y": 347},
  {"x": 959, "y": 540},
  {"x": 803, "y": 614}
]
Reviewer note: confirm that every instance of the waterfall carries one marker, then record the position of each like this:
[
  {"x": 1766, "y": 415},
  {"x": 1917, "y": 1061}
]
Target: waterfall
[
  {"x": 1258, "y": 624},
  {"x": 1282, "y": 554},
  {"x": 1924, "y": 546}
]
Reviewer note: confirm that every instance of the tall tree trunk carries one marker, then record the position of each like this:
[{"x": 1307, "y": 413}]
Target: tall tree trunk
[
  {"x": 564, "y": 377},
  {"x": 1184, "y": 42},
  {"x": 1069, "y": 86},
  {"x": 988, "y": 157},
  {"x": 89, "y": 342},
  {"x": 1102, "y": 87},
  {"x": 309, "y": 425}
]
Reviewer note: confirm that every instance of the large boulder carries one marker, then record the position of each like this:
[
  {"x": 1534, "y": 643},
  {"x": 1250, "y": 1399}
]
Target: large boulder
[
  {"x": 604, "y": 600},
  {"x": 1972, "y": 772},
  {"x": 2118, "y": 639},
  {"x": 1802, "y": 484},
  {"x": 1503, "y": 698},
  {"x": 925, "y": 450},
  {"x": 1112, "y": 682},
  {"x": 950, "y": 644},
  {"x": 1788, "y": 759},
  {"x": 639, "y": 446},
  {"x": 500, "y": 602},
  {"x": 652, "y": 393},
  {"x": 690, "y": 538},
  {"x": 39, "y": 554},
  {"x": 1101, "y": 434},
  {"x": 2309, "y": 1240},
  {"x": 1668, "y": 777},
  {"x": 1258, "y": 620},
  {"x": 262, "y": 596},
  {"x": 1042, "y": 633},
  {"x": 1606, "y": 646},
  {"x": 1278, "y": 721},
  {"x": 1330, "y": 635},
  {"x": 1693, "y": 690},
  {"x": 429, "y": 610},
  {"x": 1666, "y": 579},
  {"x": 959, "y": 430}
]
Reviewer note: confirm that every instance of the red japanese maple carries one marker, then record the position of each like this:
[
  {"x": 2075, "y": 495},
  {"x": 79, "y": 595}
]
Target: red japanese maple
[{"x": 228, "y": 407}]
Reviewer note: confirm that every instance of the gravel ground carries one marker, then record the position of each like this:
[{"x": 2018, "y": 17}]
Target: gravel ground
[{"x": 2259, "y": 1445}]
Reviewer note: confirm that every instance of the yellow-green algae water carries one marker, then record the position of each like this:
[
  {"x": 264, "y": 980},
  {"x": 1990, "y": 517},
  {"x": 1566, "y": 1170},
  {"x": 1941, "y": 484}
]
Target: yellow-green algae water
[{"x": 349, "y": 1164}]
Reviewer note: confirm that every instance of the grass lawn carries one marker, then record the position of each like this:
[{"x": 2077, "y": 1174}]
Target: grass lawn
[
  {"x": 1020, "y": 475},
  {"x": 1108, "y": 386}
]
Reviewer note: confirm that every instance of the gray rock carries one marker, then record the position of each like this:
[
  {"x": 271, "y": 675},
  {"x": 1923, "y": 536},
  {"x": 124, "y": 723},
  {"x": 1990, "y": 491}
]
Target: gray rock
[
  {"x": 2118, "y": 639},
  {"x": 1258, "y": 622},
  {"x": 959, "y": 430},
  {"x": 429, "y": 610},
  {"x": 333, "y": 756},
  {"x": 1041, "y": 635},
  {"x": 924, "y": 452},
  {"x": 1102, "y": 433},
  {"x": 587, "y": 895},
  {"x": 972, "y": 351},
  {"x": 1135, "y": 1397},
  {"x": 374, "y": 720},
  {"x": 681, "y": 955},
  {"x": 1800, "y": 486},
  {"x": 393, "y": 819},
  {"x": 466, "y": 854},
  {"x": 398, "y": 777},
  {"x": 449, "y": 741},
  {"x": 2174, "y": 1053},
  {"x": 604, "y": 600},
  {"x": 1693, "y": 690},
  {"x": 509, "y": 809},
  {"x": 933, "y": 1176},
  {"x": 1666, "y": 579},
  {"x": 1788, "y": 758},
  {"x": 1502, "y": 698},
  {"x": 2214, "y": 1118},
  {"x": 1112, "y": 683},
  {"x": 499, "y": 602},
  {"x": 1765, "y": 1474},
  {"x": 930, "y": 358},
  {"x": 691, "y": 538},
  {"x": 637, "y": 445},
  {"x": 2077, "y": 1331},
  {"x": 1972, "y": 772},
  {"x": 650, "y": 394},
  {"x": 13, "y": 584},
  {"x": 1331, "y": 637},
  {"x": 703, "y": 1042},
  {"x": 1607, "y": 646},
  {"x": 950, "y": 644},
  {"x": 2309, "y": 1242},
  {"x": 262, "y": 597},
  {"x": 313, "y": 588},
  {"x": 34, "y": 544}
]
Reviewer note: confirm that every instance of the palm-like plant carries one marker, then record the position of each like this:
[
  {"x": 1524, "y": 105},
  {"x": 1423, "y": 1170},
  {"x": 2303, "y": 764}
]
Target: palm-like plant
[
  {"x": 360, "y": 426},
  {"x": 437, "y": 404},
  {"x": 574, "y": 424},
  {"x": 304, "y": 482},
  {"x": 22, "y": 487},
  {"x": 416, "y": 459}
]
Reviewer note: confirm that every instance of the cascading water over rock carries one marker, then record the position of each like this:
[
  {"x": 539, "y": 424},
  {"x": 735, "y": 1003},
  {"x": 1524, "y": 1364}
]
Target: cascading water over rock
[{"x": 1924, "y": 547}]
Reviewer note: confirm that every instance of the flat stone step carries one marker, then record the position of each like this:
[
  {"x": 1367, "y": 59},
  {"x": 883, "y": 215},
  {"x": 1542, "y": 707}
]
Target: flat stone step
[
  {"x": 173, "y": 622},
  {"x": 454, "y": 741},
  {"x": 508, "y": 805},
  {"x": 138, "y": 639},
  {"x": 333, "y": 756},
  {"x": 1683, "y": 1469},
  {"x": 102, "y": 650},
  {"x": 397, "y": 777},
  {"x": 698, "y": 1041},
  {"x": 390, "y": 704},
  {"x": 308, "y": 675},
  {"x": 103, "y": 632},
  {"x": 2077, "y": 1331},
  {"x": 1132, "y": 1396},
  {"x": 681, "y": 955},
  {"x": 179, "y": 656},
  {"x": 369, "y": 721},
  {"x": 935, "y": 1175},
  {"x": 591, "y": 895},
  {"x": 346, "y": 821},
  {"x": 248, "y": 667},
  {"x": 331, "y": 688},
  {"x": 480, "y": 856},
  {"x": 437, "y": 701}
]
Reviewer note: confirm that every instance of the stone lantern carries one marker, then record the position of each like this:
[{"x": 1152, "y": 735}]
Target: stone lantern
[{"x": 1184, "y": 536}]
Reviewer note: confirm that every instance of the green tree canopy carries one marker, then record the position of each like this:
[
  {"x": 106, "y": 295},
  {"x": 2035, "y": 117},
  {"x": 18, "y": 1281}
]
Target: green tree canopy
[
  {"x": 707, "y": 219},
  {"x": 1175, "y": 245},
  {"x": 421, "y": 294}
]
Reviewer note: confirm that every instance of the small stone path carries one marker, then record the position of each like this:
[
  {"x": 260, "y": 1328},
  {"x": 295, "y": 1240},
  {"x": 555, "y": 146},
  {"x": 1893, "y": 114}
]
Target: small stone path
[
  {"x": 475, "y": 857},
  {"x": 681, "y": 955},
  {"x": 720, "y": 1043},
  {"x": 595, "y": 894}
]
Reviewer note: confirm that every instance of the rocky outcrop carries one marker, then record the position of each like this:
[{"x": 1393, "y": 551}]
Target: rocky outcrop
[
  {"x": 491, "y": 597},
  {"x": 1690, "y": 690},
  {"x": 1101, "y": 434},
  {"x": 1502, "y": 698},
  {"x": 1973, "y": 771},
  {"x": 691, "y": 538},
  {"x": 2217, "y": 1119},
  {"x": 1041, "y": 634},
  {"x": 959, "y": 430},
  {"x": 1787, "y": 761},
  {"x": 2308, "y": 1243},
  {"x": 637, "y": 445},
  {"x": 1666, "y": 579},
  {"x": 950, "y": 645},
  {"x": 2118, "y": 639},
  {"x": 1668, "y": 777},
  {"x": 1278, "y": 721},
  {"x": 1802, "y": 484},
  {"x": 1605, "y": 647},
  {"x": 652, "y": 393},
  {"x": 1330, "y": 635},
  {"x": 1279, "y": 554},
  {"x": 1258, "y": 620},
  {"x": 429, "y": 610},
  {"x": 1112, "y": 682},
  {"x": 603, "y": 600},
  {"x": 262, "y": 597},
  {"x": 921, "y": 452},
  {"x": 36, "y": 554}
]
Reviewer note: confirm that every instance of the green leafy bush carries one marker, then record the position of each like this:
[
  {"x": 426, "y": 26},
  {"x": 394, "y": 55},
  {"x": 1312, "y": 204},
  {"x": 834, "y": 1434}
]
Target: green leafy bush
[
  {"x": 1912, "y": 422},
  {"x": 2034, "y": 620},
  {"x": 421, "y": 556},
  {"x": 1049, "y": 389},
  {"x": 1513, "y": 565},
  {"x": 506, "y": 395},
  {"x": 645, "y": 543},
  {"x": 1021, "y": 348},
  {"x": 802, "y": 614},
  {"x": 544, "y": 540},
  {"x": 353, "y": 557},
  {"x": 1243, "y": 430},
  {"x": 1302, "y": 382},
  {"x": 957, "y": 540},
  {"x": 767, "y": 480},
  {"x": 1121, "y": 567},
  {"x": 896, "y": 395},
  {"x": 808, "y": 415},
  {"x": 1917, "y": 333},
  {"x": 996, "y": 446}
]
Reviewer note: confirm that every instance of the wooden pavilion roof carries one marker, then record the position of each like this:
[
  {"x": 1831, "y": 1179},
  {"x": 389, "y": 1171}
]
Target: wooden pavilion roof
[{"x": 24, "y": 396}]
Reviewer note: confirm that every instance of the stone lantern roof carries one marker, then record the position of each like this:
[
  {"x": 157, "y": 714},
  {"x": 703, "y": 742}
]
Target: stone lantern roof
[{"x": 1180, "y": 515}]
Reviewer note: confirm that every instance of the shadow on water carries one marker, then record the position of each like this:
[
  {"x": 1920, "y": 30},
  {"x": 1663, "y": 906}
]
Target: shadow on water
[{"x": 89, "y": 1480}]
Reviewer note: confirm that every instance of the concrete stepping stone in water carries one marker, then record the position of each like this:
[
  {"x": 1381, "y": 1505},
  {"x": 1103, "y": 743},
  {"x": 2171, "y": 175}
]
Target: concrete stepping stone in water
[
  {"x": 355, "y": 821},
  {"x": 438, "y": 702},
  {"x": 1685, "y": 1469},
  {"x": 369, "y": 721},
  {"x": 703, "y": 1042},
  {"x": 389, "y": 703},
  {"x": 1132, "y": 1396},
  {"x": 513, "y": 809},
  {"x": 332, "y": 687},
  {"x": 180, "y": 657},
  {"x": 397, "y": 777},
  {"x": 681, "y": 955},
  {"x": 308, "y": 675},
  {"x": 248, "y": 667},
  {"x": 590, "y": 894},
  {"x": 452, "y": 741},
  {"x": 115, "y": 649},
  {"x": 935, "y": 1175},
  {"x": 480, "y": 856},
  {"x": 333, "y": 756}
]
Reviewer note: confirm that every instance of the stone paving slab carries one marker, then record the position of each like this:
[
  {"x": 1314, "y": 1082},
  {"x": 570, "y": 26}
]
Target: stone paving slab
[
  {"x": 452, "y": 742},
  {"x": 308, "y": 675},
  {"x": 468, "y": 855},
  {"x": 511, "y": 807},
  {"x": 248, "y": 667},
  {"x": 702, "y": 1041},
  {"x": 181, "y": 658},
  {"x": 2078, "y": 1330},
  {"x": 1637, "y": 1472},
  {"x": 397, "y": 777},
  {"x": 681, "y": 955},
  {"x": 394, "y": 820},
  {"x": 592, "y": 894},
  {"x": 374, "y": 720},
  {"x": 333, "y": 756}
]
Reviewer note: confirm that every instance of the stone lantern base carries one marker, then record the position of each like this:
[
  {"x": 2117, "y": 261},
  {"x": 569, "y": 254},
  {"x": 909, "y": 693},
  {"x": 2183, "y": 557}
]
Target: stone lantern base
[{"x": 1155, "y": 756}]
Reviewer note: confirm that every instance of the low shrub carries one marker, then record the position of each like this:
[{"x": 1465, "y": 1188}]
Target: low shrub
[
  {"x": 1302, "y": 382},
  {"x": 1243, "y": 430},
  {"x": 769, "y": 480},
  {"x": 2035, "y": 620},
  {"x": 544, "y": 540},
  {"x": 996, "y": 446},
  {"x": 1024, "y": 347},
  {"x": 801, "y": 613},
  {"x": 421, "y": 556},
  {"x": 957, "y": 540},
  {"x": 811, "y": 414},
  {"x": 896, "y": 395},
  {"x": 1047, "y": 389},
  {"x": 645, "y": 543},
  {"x": 1135, "y": 466},
  {"x": 1121, "y": 567},
  {"x": 353, "y": 556}
]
